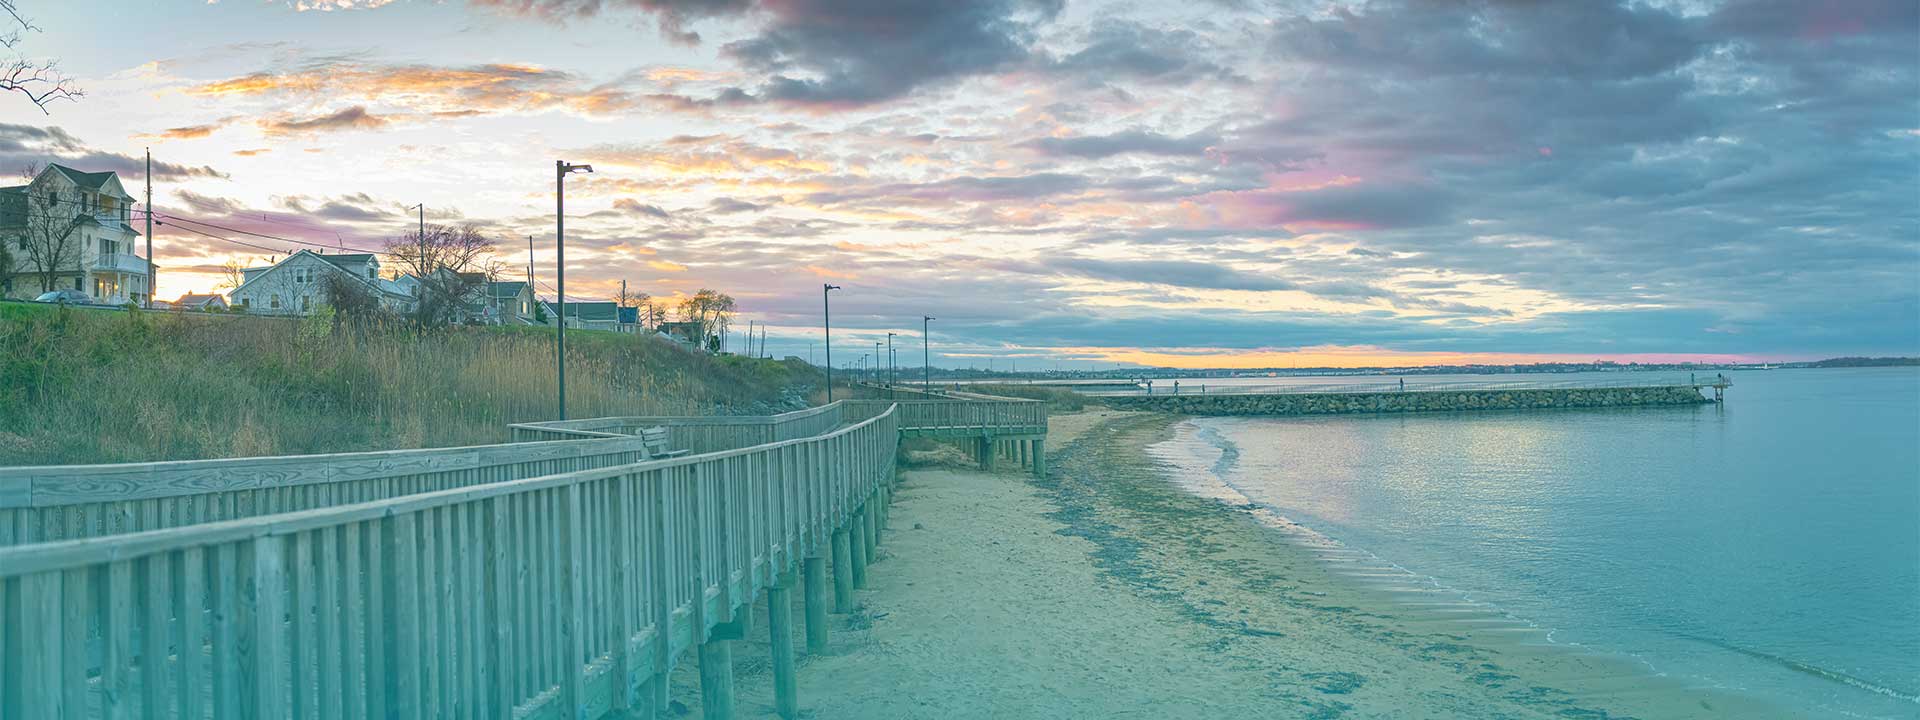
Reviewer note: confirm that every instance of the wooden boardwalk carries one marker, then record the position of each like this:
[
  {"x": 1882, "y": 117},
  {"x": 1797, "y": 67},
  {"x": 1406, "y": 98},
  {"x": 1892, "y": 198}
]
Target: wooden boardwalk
[{"x": 562, "y": 577}]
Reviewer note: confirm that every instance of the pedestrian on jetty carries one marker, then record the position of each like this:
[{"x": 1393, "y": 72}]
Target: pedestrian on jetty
[{"x": 1403, "y": 384}]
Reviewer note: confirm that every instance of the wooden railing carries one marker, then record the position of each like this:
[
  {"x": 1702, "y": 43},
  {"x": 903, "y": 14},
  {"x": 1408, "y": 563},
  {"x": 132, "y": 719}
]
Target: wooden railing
[
  {"x": 997, "y": 416},
  {"x": 700, "y": 434},
  {"x": 66, "y": 502},
  {"x": 563, "y": 596}
]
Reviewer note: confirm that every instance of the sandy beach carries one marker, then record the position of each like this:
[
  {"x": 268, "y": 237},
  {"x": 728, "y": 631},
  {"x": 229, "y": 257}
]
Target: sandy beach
[{"x": 1106, "y": 591}]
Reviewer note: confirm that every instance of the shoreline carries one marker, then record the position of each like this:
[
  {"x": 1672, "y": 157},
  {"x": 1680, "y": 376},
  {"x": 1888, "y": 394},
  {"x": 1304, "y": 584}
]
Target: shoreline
[{"x": 1106, "y": 590}]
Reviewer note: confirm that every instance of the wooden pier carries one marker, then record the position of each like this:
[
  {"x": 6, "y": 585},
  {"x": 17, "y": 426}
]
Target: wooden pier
[{"x": 493, "y": 582}]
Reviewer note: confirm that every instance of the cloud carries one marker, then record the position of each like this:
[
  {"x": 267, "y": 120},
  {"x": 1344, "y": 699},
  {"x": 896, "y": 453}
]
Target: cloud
[
  {"x": 349, "y": 208},
  {"x": 352, "y": 118},
  {"x": 837, "y": 54},
  {"x": 727, "y": 205},
  {"x": 1125, "y": 49},
  {"x": 1141, "y": 142},
  {"x": 477, "y": 89},
  {"x": 636, "y": 207},
  {"x": 21, "y": 145},
  {"x": 674, "y": 16}
]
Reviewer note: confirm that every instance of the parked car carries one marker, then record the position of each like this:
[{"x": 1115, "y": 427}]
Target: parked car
[{"x": 70, "y": 297}]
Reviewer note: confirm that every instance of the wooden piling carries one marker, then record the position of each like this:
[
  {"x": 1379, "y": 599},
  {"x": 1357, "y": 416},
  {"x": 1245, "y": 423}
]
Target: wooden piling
[
  {"x": 1040, "y": 458},
  {"x": 857, "y": 547},
  {"x": 716, "y": 679},
  {"x": 786, "y": 700},
  {"x": 986, "y": 454},
  {"x": 873, "y": 527},
  {"x": 813, "y": 593},
  {"x": 842, "y": 572}
]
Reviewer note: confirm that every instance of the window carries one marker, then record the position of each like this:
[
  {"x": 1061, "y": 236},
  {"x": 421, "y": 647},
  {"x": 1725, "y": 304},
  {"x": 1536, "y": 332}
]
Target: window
[
  {"x": 273, "y": 301},
  {"x": 302, "y": 275},
  {"x": 76, "y": 283},
  {"x": 306, "y": 303}
]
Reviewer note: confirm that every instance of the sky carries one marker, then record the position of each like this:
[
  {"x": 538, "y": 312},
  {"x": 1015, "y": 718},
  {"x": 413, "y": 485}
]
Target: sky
[{"x": 1062, "y": 183}]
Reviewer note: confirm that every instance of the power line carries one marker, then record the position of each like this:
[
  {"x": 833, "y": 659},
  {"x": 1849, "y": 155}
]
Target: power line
[
  {"x": 269, "y": 237},
  {"x": 230, "y": 240}
]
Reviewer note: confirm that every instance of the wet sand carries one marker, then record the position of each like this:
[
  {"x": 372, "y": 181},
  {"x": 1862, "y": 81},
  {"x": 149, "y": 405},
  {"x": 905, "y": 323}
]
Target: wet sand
[{"x": 1106, "y": 591}]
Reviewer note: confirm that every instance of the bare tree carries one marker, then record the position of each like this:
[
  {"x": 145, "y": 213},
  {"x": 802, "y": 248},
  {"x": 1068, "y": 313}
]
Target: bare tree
[
  {"x": 452, "y": 265},
  {"x": 49, "y": 241},
  {"x": 232, "y": 274},
  {"x": 712, "y": 310},
  {"x": 634, "y": 299},
  {"x": 40, "y": 80}
]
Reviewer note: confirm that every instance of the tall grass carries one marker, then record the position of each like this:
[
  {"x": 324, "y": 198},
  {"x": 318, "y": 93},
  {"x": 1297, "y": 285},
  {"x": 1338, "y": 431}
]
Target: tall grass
[
  {"x": 93, "y": 386},
  {"x": 1057, "y": 399}
]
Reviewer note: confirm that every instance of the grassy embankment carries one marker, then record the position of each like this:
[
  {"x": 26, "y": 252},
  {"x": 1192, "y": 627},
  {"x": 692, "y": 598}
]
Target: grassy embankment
[
  {"x": 1059, "y": 400},
  {"x": 80, "y": 386}
]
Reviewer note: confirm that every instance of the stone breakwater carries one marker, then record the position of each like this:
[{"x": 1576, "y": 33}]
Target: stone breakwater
[{"x": 1414, "y": 401}]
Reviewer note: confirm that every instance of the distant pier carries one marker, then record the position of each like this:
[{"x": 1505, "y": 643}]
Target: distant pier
[{"x": 1309, "y": 401}]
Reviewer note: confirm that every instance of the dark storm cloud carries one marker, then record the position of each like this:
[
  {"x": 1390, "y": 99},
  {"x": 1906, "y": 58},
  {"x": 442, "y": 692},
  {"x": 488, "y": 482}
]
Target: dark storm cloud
[
  {"x": 1131, "y": 50},
  {"x": 23, "y": 145}
]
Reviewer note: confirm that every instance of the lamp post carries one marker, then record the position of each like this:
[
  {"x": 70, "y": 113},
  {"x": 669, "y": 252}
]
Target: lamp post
[
  {"x": 926, "y": 364},
  {"x": 890, "y": 359},
  {"x": 826, "y": 315},
  {"x": 561, "y": 169}
]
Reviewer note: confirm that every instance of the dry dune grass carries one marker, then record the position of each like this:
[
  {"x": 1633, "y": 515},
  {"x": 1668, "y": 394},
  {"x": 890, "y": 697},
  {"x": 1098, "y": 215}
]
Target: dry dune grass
[{"x": 98, "y": 386}]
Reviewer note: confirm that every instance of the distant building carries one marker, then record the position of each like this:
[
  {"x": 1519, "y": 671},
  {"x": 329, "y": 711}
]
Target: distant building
[
  {"x": 690, "y": 333},
  {"x": 297, "y": 285},
  {"x": 508, "y": 303},
  {"x": 86, "y": 216},
  {"x": 200, "y": 303},
  {"x": 596, "y": 315}
]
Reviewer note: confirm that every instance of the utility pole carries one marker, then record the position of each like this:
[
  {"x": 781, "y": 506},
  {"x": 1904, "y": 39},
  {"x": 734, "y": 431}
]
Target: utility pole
[
  {"x": 926, "y": 362},
  {"x": 560, "y": 171},
  {"x": 620, "y": 306},
  {"x": 530, "y": 287},
  {"x": 876, "y": 359},
  {"x": 420, "y": 263},
  {"x": 890, "y": 359},
  {"x": 153, "y": 275},
  {"x": 826, "y": 316}
]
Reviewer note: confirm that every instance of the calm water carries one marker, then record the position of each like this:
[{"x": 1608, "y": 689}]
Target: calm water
[{"x": 1770, "y": 545}]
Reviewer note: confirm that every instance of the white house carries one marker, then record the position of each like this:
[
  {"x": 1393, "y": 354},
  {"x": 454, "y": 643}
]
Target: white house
[
  {"x": 77, "y": 224},
  {"x": 297, "y": 285}
]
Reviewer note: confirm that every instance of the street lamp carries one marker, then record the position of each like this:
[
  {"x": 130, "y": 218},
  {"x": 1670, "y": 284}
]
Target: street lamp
[
  {"x": 826, "y": 314},
  {"x": 926, "y": 365},
  {"x": 561, "y": 169},
  {"x": 890, "y": 359}
]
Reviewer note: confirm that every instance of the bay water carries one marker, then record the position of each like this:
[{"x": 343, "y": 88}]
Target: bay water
[{"x": 1769, "y": 545}]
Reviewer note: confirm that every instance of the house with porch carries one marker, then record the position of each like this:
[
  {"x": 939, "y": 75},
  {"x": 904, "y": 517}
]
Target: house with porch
[
  {"x": 69, "y": 230},
  {"x": 298, "y": 284}
]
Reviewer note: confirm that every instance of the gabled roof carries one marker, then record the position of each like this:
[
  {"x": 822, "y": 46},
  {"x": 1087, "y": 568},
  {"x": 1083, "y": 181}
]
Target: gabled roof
[
  {"x": 349, "y": 261},
  {"x": 90, "y": 181},
  {"x": 592, "y": 310},
  {"x": 505, "y": 289},
  {"x": 378, "y": 284}
]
